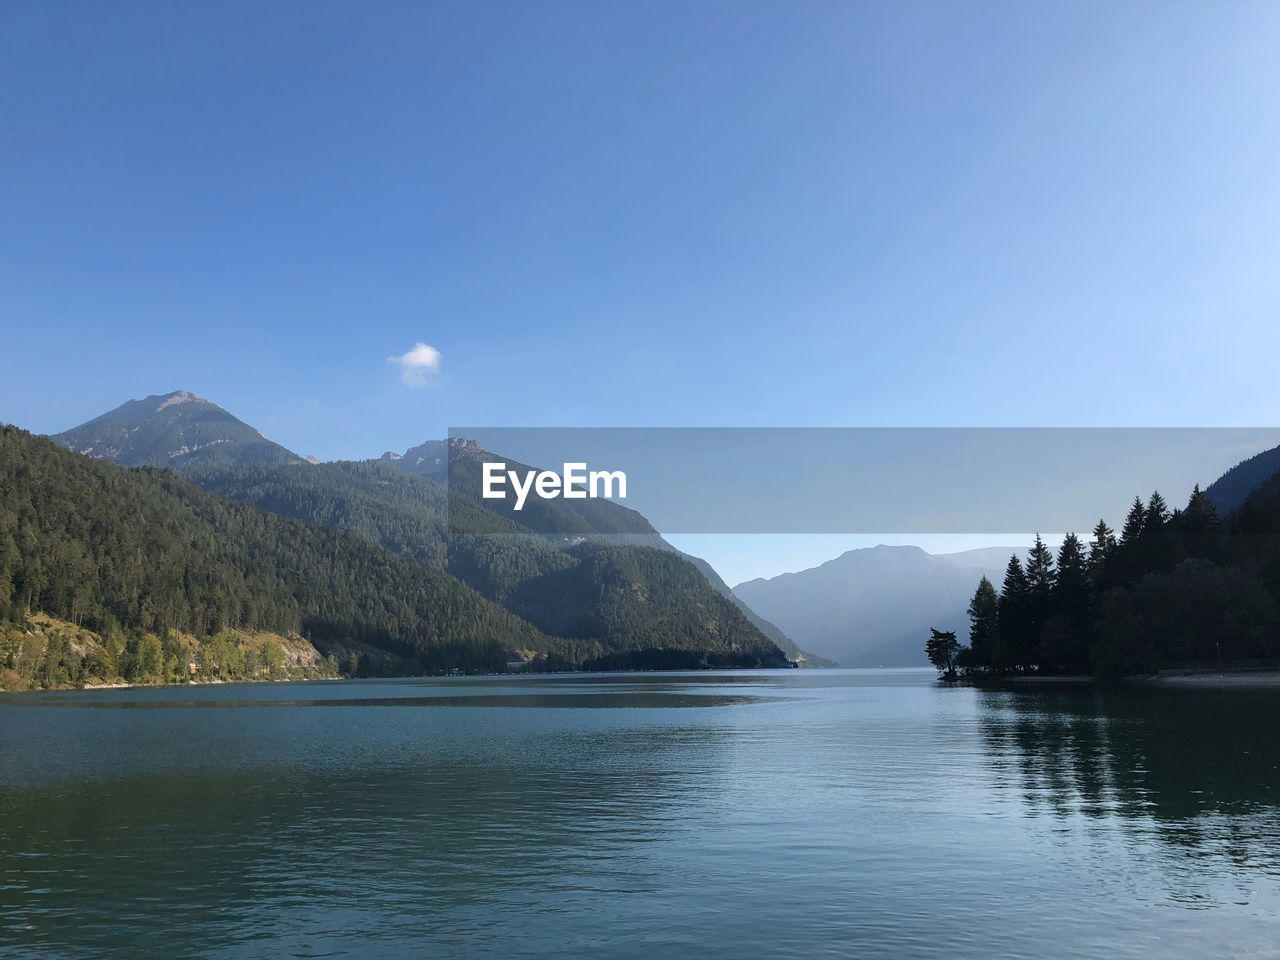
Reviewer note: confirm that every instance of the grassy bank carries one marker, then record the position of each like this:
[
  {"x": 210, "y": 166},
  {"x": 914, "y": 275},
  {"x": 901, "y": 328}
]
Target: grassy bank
[{"x": 41, "y": 652}]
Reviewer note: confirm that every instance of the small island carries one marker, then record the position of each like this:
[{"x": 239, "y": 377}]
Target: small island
[{"x": 1180, "y": 590}]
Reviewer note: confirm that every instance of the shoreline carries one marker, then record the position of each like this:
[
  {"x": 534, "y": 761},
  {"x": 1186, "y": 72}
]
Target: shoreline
[
  {"x": 1226, "y": 679},
  {"x": 175, "y": 686},
  {"x": 1208, "y": 679},
  {"x": 189, "y": 683},
  {"x": 1216, "y": 678},
  {"x": 341, "y": 679}
]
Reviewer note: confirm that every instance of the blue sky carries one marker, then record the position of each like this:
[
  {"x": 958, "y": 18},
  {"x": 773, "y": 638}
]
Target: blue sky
[{"x": 641, "y": 213}]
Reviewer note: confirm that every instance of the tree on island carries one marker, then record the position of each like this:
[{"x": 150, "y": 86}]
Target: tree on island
[
  {"x": 984, "y": 624},
  {"x": 1065, "y": 637},
  {"x": 1184, "y": 588},
  {"x": 942, "y": 648},
  {"x": 1014, "y": 619}
]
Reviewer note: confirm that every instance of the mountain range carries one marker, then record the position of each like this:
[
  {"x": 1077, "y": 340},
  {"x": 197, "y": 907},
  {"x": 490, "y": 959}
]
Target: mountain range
[
  {"x": 592, "y": 579},
  {"x": 593, "y": 573}
]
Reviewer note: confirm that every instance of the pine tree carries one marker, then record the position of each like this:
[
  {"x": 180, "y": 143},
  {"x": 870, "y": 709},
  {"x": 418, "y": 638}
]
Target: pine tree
[
  {"x": 1072, "y": 580},
  {"x": 1015, "y": 639},
  {"x": 1040, "y": 580},
  {"x": 1101, "y": 549},
  {"x": 1134, "y": 523},
  {"x": 1201, "y": 517},
  {"x": 1069, "y": 635},
  {"x": 1040, "y": 573},
  {"x": 984, "y": 624},
  {"x": 1157, "y": 514}
]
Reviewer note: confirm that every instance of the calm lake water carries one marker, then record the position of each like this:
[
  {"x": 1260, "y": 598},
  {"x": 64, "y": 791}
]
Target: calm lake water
[{"x": 788, "y": 814}]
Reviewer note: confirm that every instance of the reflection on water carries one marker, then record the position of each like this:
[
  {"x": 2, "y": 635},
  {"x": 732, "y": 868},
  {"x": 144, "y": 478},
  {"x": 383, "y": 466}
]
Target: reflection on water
[
  {"x": 792, "y": 814},
  {"x": 1198, "y": 769}
]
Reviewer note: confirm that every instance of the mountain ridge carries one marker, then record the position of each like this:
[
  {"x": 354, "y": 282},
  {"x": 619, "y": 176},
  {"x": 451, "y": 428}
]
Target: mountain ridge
[
  {"x": 632, "y": 592},
  {"x": 175, "y": 429},
  {"x": 1230, "y": 491}
]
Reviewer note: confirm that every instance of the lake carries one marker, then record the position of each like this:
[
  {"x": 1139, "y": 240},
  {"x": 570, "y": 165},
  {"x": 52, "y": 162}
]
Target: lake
[{"x": 739, "y": 814}]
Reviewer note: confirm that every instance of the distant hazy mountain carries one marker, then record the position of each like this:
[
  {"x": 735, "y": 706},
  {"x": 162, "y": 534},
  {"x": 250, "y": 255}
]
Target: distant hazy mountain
[
  {"x": 985, "y": 559},
  {"x": 174, "y": 430},
  {"x": 1230, "y": 490},
  {"x": 875, "y": 606},
  {"x": 767, "y": 627}
]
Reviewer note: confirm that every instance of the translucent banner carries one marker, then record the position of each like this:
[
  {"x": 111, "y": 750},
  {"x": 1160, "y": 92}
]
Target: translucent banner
[{"x": 582, "y": 481}]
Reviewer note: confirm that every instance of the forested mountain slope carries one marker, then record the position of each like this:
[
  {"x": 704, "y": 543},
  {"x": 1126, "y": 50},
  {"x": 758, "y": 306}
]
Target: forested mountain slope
[
  {"x": 1229, "y": 492},
  {"x": 97, "y": 545},
  {"x": 626, "y": 596}
]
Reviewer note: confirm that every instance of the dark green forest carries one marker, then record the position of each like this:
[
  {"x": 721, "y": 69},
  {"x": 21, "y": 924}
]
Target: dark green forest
[
  {"x": 352, "y": 556},
  {"x": 372, "y": 500},
  {"x": 647, "y": 599},
  {"x": 101, "y": 546},
  {"x": 1173, "y": 589},
  {"x": 612, "y": 597}
]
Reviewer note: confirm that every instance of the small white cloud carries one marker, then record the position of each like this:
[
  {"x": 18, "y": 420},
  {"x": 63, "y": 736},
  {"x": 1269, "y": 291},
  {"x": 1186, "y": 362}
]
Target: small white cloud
[{"x": 418, "y": 364}]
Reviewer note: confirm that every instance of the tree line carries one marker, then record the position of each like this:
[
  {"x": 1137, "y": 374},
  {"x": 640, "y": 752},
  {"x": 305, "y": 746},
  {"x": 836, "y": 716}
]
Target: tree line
[{"x": 1183, "y": 588}]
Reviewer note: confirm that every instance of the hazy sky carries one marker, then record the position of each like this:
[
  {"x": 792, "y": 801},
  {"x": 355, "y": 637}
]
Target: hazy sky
[{"x": 645, "y": 213}]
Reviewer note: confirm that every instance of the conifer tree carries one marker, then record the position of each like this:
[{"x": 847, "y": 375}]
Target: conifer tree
[
  {"x": 1157, "y": 514},
  {"x": 1072, "y": 610},
  {"x": 1101, "y": 548},
  {"x": 1201, "y": 517},
  {"x": 1071, "y": 584},
  {"x": 984, "y": 624},
  {"x": 1040, "y": 572},
  {"x": 1015, "y": 635},
  {"x": 1134, "y": 523},
  {"x": 1040, "y": 580}
]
